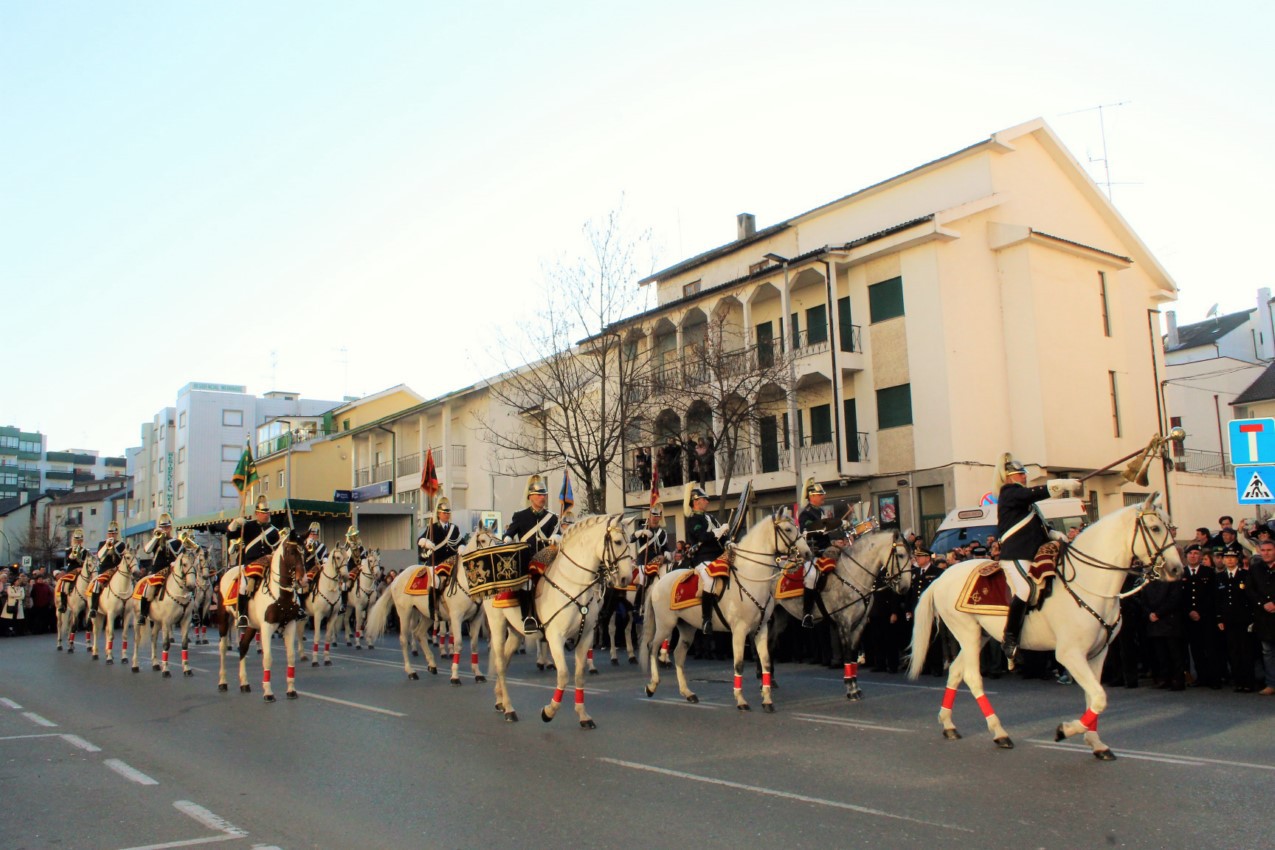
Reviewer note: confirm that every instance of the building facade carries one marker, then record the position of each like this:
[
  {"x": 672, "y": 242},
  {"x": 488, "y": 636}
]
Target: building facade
[{"x": 26, "y": 465}]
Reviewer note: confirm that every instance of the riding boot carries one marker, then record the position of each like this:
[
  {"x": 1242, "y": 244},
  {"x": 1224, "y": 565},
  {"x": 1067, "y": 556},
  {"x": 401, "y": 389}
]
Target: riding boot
[
  {"x": 526, "y": 601},
  {"x": 1013, "y": 627},
  {"x": 241, "y": 610},
  {"x": 707, "y": 602},
  {"x": 808, "y": 597},
  {"x": 97, "y": 594},
  {"x": 143, "y": 610}
]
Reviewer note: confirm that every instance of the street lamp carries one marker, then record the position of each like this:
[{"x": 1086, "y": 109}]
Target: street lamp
[{"x": 794, "y": 439}]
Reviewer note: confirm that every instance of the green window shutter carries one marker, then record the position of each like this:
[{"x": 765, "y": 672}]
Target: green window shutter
[
  {"x": 885, "y": 299},
  {"x": 894, "y": 406}
]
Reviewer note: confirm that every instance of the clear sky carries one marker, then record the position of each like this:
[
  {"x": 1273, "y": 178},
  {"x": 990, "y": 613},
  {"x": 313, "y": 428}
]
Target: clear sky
[{"x": 334, "y": 197}]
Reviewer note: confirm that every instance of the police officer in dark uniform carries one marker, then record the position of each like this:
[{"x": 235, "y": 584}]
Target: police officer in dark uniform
[
  {"x": 536, "y": 526},
  {"x": 257, "y": 539},
  {"x": 1234, "y": 616},
  {"x": 438, "y": 542},
  {"x": 704, "y": 543},
  {"x": 814, "y": 528},
  {"x": 1201, "y": 617},
  {"x": 1021, "y": 533},
  {"x": 109, "y": 556},
  {"x": 924, "y": 573}
]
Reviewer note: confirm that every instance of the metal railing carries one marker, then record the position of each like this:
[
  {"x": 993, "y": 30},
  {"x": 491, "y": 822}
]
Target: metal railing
[
  {"x": 382, "y": 471},
  {"x": 362, "y": 477},
  {"x": 824, "y": 452},
  {"x": 854, "y": 341},
  {"x": 810, "y": 341},
  {"x": 456, "y": 455},
  {"x": 410, "y": 464},
  {"x": 857, "y": 448},
  {"x": 1204, "y": 462}
]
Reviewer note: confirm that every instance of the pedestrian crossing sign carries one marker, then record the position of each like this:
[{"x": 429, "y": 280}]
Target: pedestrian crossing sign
[{"x": 1255, "y": 485}]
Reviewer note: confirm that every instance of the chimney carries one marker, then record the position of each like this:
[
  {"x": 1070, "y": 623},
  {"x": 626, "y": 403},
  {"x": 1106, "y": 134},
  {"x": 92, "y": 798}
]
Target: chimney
[
  {"x": 1171, "y": 338},
  {"x": 745, "y": 226}
]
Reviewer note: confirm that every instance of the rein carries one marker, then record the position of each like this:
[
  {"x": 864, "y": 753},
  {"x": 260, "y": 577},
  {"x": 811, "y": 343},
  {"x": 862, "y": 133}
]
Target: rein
[
  {"x": 781, "y": 542},
  {"x": 608, "y": 566}
]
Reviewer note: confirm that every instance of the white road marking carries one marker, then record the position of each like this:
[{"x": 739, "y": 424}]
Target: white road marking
[
  {"x": 684, "y": 703},
  {"x": 21, "y": 737},
  {"x": 37, "y": 719},
  {"x": 841, "y": 721},
  {"x": 771, "y": 792},
  {"x": 129, "y": 772},
  {"x": 568, "y": 688},
  {"x": 10, "y": 703},
  {"x": 190, "y": 842},
  {"x": 77, "y": 741},
  {"x": 207, "y": 818},
  {"x": 1171, "y": 758},
  {"x": 875, "y": 682},
  {"x": 352, "y": 704}
]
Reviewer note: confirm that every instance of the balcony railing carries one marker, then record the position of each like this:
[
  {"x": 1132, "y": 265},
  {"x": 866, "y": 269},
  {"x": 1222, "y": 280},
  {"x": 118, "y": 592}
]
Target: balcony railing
[
  {"x": 409, "y": 464},
  {"x": 810, "y": 341},
  {"x": 382, "y": 471},
  {"x": 456, "y": 454},
  {"x": 362, "y": 477},
  {"x": 857, "y": 447},
  {"x": 853, "y": 341},
  {"x": 824, "y": 452},
  {"x": 1204, "y": 463}
]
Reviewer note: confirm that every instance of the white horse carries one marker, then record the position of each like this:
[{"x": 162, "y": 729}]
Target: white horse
[
  {"x": 874, "y": 562},
  {"x": 111, "y": 604},
  {"x": 273, "y": 606},
  {"x": 460, "y": 610},
  {"x": 363, "y": 580},
  {"x": 1078, "y": 621},
  {"x": 201, "y": 609},
  {"x": 77, "y": 601},
  {"x": 323, "y": 603},
  {"x": 171, "y": 609},
  {"x": 746, "y": 606},
  {"x": 595, "y": 551}
]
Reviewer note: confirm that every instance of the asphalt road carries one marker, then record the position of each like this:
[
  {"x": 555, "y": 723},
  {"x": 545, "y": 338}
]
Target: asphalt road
[{"x": 98, "y": 757}]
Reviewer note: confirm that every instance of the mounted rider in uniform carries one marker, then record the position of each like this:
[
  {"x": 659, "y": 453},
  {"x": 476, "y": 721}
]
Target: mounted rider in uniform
[
  {"x": 163, "y": 549},
  {"x": 439, "y": 542},
  {"x": 315, "y": 551},
  {"x": 109, "y": 556},
  {"x": 652, "y": 550},
  {"x": 257, "y": 539},
  {"x": 75, "y": 556},
  {"x": 814, "y": 527},
  {"x": 704, "y": 538},
  {"x": 536, "y": 526},
  {"x": 1024, "y": 539}
]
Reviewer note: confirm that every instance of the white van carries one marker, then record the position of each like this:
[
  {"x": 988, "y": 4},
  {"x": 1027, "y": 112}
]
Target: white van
[{"x": 964, "y": 526}]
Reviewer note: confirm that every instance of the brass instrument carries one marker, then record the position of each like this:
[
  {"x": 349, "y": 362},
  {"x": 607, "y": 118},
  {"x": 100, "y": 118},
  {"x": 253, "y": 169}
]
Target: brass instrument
[{"x": 1136, "y": 472}]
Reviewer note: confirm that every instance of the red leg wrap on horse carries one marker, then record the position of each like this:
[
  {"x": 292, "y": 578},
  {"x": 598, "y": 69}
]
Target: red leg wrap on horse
[
  {"x": 579, "y": 696},
  {"x": 455, "y": 657},
  {"x": 327, "y": 647},
  {"x": 125, "y": 649},
  {"x": 739, "y": 683},
  {"x": 557, "y": 694},
  {"x": 109, "y": 645},
  {"x": 473, "y": 658},
  {"x": 591, "y": 655},
  {"x": 1089, "y": 720},
  {"x": 765, "y": 680},
  {"x": 164, "y": 656},
  {"x": 985, "y": 704},
  {"x": 185, "y": 656},
  {"x": 292, "y": 672},
  {"x": 664, "y": 646},
  {"x": 316, "y": 647},
  {"x": 949, "y": 698},
  {"x": 265, "y": 676}
]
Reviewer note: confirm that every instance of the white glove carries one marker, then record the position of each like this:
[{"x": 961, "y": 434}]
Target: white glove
[
  {"x": 426, "y": 544},
  {"x": 235, "y": 524},
  {"x": 1059, "y": 487},
  {"x": 720, "y": 531},
  {"x": 555, "y": 540},
  {"x": 509, "y": 539},
  {"x": 642, "y": 533}
]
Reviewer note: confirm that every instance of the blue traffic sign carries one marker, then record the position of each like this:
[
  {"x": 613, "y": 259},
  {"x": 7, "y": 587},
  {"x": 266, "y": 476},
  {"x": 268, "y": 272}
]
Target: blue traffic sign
[
  {"x": 1252, "y": 441},
  {"x": 1255, "y": 485}
]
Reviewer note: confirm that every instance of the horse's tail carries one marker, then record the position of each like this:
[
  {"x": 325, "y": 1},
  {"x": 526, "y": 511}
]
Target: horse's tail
[
  {"x": 377, "y": 615},
  {"x": 648, "y": 629},
  {"x": 922, "y": 625}
]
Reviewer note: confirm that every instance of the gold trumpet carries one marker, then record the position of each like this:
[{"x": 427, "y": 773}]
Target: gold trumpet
[{"x": 1138, "y": 468}]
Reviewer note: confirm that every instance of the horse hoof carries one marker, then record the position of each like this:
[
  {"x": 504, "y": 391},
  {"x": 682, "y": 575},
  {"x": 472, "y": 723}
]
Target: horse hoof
[
  {"x": 768, "y": 707},
  {"x": 951, "y": 735},
  {"x": 1104, "y": 755},
  {"x": 455, "y": 682},
  {"x": 593, "y": 672},
  {"x": 69, "y": 651},
  {"x": 633, "y": 661},
  {"x": 544, "y": 715},
  {"x": 414, "y": 676},
  {"x": 137, "y": 669},
  {"x": 94, "y": 657},
  {"x": 615, "y": 662},
  {"x": 588, "y": 724},
  {"x": 188, "y": 672},
  {"x": 433, "y": 671},
  {"x": 650, "y": 691},
  {"x": 327, "y": 662},
  {"x": 358, "y": 648},
  {"x": 511, "y": 717},
  {"x": 692, "y": 699},
  {"x": 292, "y": 694},
  {"x": 223, "y": 687},
  {"x": 744, "y": 707},
  {"x": 269, "y": 697},
  {"x": 347, "y": 643},
  {"x": 110, "y": 661},
  {"x": 856, "y": 696},
  {"x": 314, "y": 664},
  {"x": 1004, "y": 743},
  {"x": 416, "y": 653},
  {"x": 245, "y": 689},
  {"x": 500, "y": 707},
  {"x": 480, "y": 678},
  {"x": 1059, "y": 734},
  {"x": 59, "y": 649},
  {"x": 156, "y": 667}
]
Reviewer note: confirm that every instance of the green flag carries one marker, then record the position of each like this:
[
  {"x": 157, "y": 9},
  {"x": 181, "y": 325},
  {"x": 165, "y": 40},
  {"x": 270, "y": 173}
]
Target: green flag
[{"x": 246, "y": 472}]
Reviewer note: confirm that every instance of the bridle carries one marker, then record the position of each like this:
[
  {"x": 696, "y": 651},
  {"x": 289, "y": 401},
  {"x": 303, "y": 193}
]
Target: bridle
[
  {"x": 335, "y": 578},
  {"x": 889, "y": 575},
  {"x": 778, "y": 558},
  {"x": 615, "y": 551},
  {"x": 289, "y": 575}
]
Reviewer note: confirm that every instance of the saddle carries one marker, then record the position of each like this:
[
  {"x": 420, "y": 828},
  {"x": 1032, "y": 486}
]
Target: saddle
[
  {"x": 103, "y": 579},
  {"x": 685, "y": 591},
  {"x": 419, "y": 584},
  {"x": 790, "y": 584},
  {"x": 139, "y": 589}
]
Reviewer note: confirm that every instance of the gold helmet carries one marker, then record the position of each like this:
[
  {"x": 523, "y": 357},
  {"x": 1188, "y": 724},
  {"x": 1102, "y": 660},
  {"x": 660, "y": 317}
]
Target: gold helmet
[
  {"x": 77, "y": 536},
  {"x": 812, "y": 488},
  {"x": 315, "y": 528},
  {"x": 113, "y": 527},
  {"x": 263, "y": 505},
  {"x": 1006, "y": 467},
  {"x": 352, "y": 536},
  {"x": 442, "y": 507},
  {"x": 656, "y": 510},
  {"x": 693, "y": 492},
  {"x": 536, "y": 487},
  {"x": 165, "y": 520}
]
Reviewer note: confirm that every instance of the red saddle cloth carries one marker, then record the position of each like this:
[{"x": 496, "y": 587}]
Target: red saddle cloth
[
  {"x": 685, "y": 591},
  {"x": 505, "y": 599},
  {"x": 986, "y": 591},
  {"x": 719, "y": 567},
  {"x": 104, "y": 579},
  {"x": 152, "y": 581},
  {"x": 418, "y": 585},
  {"x": 790, "y": 584},
  {"x": 66, "y": 580}
]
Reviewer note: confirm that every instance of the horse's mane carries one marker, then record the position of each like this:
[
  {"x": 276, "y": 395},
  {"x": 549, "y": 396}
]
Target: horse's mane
[{"x": 590, "y": 521}]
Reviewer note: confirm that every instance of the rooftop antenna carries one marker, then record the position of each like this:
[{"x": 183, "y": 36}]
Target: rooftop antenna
[{"x": 1102, "y": 129}]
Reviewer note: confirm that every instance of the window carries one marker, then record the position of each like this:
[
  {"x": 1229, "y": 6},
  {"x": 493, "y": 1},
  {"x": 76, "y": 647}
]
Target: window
[
  {"x": 816, "y": 324},
  {"x": 852, "y": 432},
  {"x": 92, "y": 511},
  {"x": 232, "y": 418},
  {"x": 794, "y": 327},
  {"x": 181, "y": 455},
  {"x": 765, "y": 345},
  {"x": 230, "y": 454},
  {"x": 280, "y": 480},
  {"x": 181, "y": 420},
  {"x": 1102, "y": 292},
  {"x": 228, "y": 490},
  {"x": 894, "y": 406},
  {"x": 845, "y": 326},
  {"x": 1115, "y": 404},
  {"x": 885, "y": 299},
  {"x": 181, "y": 490},
  {"x": 820, "y": 424},
  {"x": 691, "y": 288},
  {"x": 265, "y": 484}
]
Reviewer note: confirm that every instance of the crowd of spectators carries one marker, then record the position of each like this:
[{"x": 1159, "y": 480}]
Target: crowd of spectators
[
  {"x": 26, "y": 603},
  {"x": 677, "y": 461}
]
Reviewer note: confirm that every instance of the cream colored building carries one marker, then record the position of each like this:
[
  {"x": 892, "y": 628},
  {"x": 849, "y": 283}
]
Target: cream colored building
[{"x": 992, "y": 300}]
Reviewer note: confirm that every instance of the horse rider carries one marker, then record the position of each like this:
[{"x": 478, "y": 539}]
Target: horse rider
[
  {"x": 1024, "y": 539},
  {"x": 652, "y": 549},
  {"x": 358, "y": 556},
  {"x": 437, "y": 547},
  {"x": 163, "y": 549},
  {"x": 75, "y": 555},
  {"x": 109, "y": 556},
  {"x": 704, "y": 536},
  {"x": 536, "y": 526},
  {"x": 314, "y": 551},
  {"x": 815, "y": 529},
  {"x": 257, "y": 539}
]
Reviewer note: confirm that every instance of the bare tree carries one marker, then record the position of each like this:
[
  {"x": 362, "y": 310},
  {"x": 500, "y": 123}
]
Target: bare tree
[
  {"x": 44, "y": 545},
  {"x": 568, "y": 376}
]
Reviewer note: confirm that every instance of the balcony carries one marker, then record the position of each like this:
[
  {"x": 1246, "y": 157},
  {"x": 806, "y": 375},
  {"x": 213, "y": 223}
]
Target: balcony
[
  {"x": 410, "y": 464},
  {"x": 810, "y": 342},
  {"x": 456, "y": 455},
  {"x": 1203, "y": 462},
  {"x": 857, "y": 447}
]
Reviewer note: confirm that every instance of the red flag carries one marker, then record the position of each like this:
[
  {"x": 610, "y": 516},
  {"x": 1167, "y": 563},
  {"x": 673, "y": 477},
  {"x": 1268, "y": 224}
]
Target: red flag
[
  {"x": 429, "y": 476},
  {"x": 655, "y": 485}
]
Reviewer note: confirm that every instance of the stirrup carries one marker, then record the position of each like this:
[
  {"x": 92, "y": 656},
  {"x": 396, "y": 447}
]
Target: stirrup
[
  {"x": 242, "y": 621},
  {"x": 807, "y": 621},
  {"x": 530, "y": 623}
]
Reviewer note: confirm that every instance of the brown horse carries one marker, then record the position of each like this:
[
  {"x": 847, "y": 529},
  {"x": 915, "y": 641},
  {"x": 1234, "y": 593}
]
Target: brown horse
[{"x": 274, "y": 606}]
